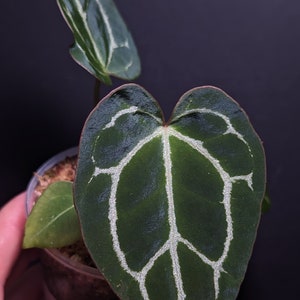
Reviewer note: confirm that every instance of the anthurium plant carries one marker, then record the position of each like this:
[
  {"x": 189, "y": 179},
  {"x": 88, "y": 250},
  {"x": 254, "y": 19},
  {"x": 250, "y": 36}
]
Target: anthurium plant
[{"x": 167, "y": 210}]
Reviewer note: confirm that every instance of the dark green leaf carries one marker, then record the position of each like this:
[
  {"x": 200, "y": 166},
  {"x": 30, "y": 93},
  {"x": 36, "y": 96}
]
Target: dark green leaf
[
  {"x": 53, "y": 221},
  {"x": 103, "y": 44},
  {"x": 170, "y": 211}
]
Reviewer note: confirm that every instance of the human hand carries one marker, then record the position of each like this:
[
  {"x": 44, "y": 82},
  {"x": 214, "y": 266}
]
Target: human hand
[{"x": 20, "y": 272}]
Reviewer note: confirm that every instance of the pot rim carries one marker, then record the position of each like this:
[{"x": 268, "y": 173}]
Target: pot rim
[{"x": 29, "y": 201}]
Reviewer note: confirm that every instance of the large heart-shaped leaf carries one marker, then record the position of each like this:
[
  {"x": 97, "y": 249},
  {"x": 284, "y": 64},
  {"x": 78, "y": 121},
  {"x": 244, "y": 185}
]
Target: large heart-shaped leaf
[
  {"x": 170, "y": 211},
  {"x": 103, "y": 44}
]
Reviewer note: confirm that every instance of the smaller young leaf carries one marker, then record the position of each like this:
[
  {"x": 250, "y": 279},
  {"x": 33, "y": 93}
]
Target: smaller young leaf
[
  {"x": 103, "y": 45},
  {"x": 53, "y": 221}
]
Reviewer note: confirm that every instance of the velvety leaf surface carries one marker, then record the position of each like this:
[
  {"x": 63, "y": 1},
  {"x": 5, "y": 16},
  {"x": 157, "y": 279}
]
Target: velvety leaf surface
[
  {"x": 103, "y": 45},
  {"x": 53, "y": 221},
  {"x": 170, "y": 211}
]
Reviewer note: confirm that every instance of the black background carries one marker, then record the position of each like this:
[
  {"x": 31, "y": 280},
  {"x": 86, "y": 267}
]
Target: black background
[{"x": 250, "y": 49}]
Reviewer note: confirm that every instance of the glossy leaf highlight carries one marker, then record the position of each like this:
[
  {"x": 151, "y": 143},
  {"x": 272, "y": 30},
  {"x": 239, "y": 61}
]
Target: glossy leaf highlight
[{"x": 174, "y": 206}]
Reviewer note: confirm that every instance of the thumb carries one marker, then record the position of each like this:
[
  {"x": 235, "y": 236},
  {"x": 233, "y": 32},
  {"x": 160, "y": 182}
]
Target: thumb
[{"x": 12, "y": 221}]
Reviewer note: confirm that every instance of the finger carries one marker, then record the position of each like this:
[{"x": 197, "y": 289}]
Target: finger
[{"x": 12, "y": 220}]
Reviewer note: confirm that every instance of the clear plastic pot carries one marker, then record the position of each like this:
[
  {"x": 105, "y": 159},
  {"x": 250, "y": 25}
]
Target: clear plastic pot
[{"x": 67, "y": 279}]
